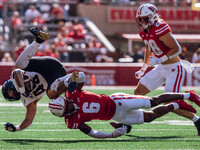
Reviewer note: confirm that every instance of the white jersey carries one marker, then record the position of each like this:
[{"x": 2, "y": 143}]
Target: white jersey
[{"x": 38, "y": 91}]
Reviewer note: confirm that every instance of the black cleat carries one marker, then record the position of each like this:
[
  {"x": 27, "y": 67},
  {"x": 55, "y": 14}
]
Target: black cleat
[
  {"x": 197, "y": 125},
  {"x": 40, "y": 36},
  {"x": 118, "y": 125}
]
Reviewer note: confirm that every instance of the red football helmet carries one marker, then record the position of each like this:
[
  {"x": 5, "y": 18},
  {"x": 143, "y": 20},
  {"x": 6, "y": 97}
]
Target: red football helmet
[{"x": 148, "y": 13}]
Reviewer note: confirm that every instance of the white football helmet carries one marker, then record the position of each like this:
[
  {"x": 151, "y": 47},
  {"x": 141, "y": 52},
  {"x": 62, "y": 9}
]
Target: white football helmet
[
  {"x": 57, "y": 106},
  {"x": 148, "y": 13}
]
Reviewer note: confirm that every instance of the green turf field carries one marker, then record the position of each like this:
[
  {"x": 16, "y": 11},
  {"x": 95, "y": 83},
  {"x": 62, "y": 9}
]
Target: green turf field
[{"x": 50, "y": 132}]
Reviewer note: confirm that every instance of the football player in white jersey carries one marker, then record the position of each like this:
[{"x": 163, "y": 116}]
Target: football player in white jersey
[
  {"x": 33, "y": 80},
  {"x": 162, "y": 50}
]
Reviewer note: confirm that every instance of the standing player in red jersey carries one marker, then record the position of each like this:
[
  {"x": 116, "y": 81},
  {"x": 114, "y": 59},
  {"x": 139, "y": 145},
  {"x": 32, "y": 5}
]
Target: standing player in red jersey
[
  {"x": 80, "y": 106},
  {"x": 162, "y": 49}
]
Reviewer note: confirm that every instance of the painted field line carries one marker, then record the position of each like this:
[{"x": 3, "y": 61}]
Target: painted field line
[
  {"x": 70, "y": 130},
  {"x": 170, "y": 122},
  {"x": 19, "y": 105},
  {"x": 90, "y": 139},
  {"x": 131, "y": 88}
]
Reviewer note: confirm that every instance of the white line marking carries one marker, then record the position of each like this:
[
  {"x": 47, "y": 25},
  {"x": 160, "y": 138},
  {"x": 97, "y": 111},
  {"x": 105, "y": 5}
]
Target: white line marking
[
  {"x": 20, "y": 105},
  {"x": 90, "y": 139}
]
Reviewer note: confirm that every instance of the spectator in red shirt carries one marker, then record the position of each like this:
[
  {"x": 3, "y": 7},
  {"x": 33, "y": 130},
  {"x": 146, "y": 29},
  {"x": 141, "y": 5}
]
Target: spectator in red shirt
[
  {"x": 51, "y": 51},
  {"x": 57, "y": 11},
  {"x": 16, "y": 26}
]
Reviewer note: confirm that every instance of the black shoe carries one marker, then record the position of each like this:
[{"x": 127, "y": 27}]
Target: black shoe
[
  {"x": 118, "y": 125},
  {"x": 40, "y": 36},
  {"x": 197, "y": 125}
]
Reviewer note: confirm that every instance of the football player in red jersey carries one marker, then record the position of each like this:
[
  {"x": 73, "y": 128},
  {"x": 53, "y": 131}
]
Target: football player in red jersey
[
  {"x": 80, "y": 106},
  {"x": 162, "y": 50}
]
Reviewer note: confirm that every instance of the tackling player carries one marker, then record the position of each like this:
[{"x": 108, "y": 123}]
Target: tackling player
[
  {"x": 162, "y": 49},
  {"x": 34, "y": 78},
  {"x": 80, "y": 106}
]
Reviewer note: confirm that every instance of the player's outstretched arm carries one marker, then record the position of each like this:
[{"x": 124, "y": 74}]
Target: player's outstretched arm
[
  {"x": 69, "y": 82},
  {"x": 102, "y": 135},
  {"x": 30, "y": 114}
]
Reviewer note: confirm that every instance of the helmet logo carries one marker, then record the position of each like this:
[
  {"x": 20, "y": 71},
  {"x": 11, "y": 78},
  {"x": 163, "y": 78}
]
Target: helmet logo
[
  {"x": 152, "y": 9},
  {"x": 141, "y": 10}
]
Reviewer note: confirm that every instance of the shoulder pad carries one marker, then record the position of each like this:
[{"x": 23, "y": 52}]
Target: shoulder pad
[{"x": 161, "y": 28}]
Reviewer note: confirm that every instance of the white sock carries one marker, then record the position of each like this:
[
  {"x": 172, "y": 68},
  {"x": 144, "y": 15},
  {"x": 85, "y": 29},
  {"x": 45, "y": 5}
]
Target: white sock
[
  {"x": 195, "y": 118},
  {"x": 176, "y": 106},
  {"x": 23, "y": 59},
  {"x": 186, "y": 95}
]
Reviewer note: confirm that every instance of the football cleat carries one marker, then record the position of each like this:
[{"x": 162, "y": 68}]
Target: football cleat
[
  {"x": 119, "y": 125},
  {"x": 197, "y": 125},
  {"x": 183, "y": 105},
  {"x": 194, "y": 97},
  {"x": 40, "y": 36}
]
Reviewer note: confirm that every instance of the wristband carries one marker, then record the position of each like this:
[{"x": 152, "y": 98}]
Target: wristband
[
  {"x": 21, "y": 89},
  {"x": 164, "y": 58},
  {"x": 18, "y": 128},
  {"x": 144, "y": 67}
]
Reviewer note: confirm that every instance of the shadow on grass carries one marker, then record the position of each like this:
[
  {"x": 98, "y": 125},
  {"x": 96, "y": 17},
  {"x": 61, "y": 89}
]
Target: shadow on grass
[{"x": 131, "y": 139}]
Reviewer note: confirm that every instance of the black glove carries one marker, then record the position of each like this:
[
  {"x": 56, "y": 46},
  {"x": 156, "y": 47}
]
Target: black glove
[
  {"x": 10, "y": 127},
  {"x": 72, "y": 86},
  {"x": 119, "y": 125}
]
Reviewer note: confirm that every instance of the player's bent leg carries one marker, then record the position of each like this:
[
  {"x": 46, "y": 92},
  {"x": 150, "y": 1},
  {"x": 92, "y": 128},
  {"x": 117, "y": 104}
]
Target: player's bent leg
[
  {"x": 184, "y": 113},
  {"x": 165, "y": 97},
  {"x": 157, "y": 112},
  {"x": 141, "y": 90}
]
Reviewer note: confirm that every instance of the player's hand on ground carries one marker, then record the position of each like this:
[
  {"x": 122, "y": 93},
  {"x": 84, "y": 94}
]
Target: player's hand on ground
[
  {"x": 139, "y": 74},
  {"x": 10, "y": 127},
  {"x": 154, "y": 61},
  {"x": 119, "y": 131}
]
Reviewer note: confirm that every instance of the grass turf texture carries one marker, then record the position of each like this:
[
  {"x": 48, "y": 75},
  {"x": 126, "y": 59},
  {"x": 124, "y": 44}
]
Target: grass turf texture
[{"x": 50, "y": 132}]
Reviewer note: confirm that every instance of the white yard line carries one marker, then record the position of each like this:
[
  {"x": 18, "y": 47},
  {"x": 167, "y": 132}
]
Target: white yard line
[
  {"x": 90, "y": 139},
  {"x": 169, "y": 122}
]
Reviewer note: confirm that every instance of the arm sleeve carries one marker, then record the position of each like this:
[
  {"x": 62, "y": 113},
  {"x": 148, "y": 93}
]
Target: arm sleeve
[{"x": 99, "y": 134}]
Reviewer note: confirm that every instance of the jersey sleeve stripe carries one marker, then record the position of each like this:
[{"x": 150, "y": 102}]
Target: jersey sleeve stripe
[
  {"x": 161, "y": 28},
  {"x": 162, "y": 31}
]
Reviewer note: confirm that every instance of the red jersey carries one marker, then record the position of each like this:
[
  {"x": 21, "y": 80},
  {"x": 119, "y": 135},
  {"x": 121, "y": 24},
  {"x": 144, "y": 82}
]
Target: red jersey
[
  {"x": 91, "y": 107},
  {"x": 151, "y": 39}
]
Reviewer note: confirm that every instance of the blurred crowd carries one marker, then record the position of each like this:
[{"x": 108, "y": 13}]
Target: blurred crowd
[{"x": 69, "y": 37}]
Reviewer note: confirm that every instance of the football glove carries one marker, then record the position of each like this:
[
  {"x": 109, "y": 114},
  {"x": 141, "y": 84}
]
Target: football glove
[
  {"x": 118, "y": 125},
  {"x": 10, "y": 127},
  {"x": 139, "y": 74},
  {"x": 119, "y": 131},
  {"x": 73, "y": 82},
  {"x": 154, "y": 61}
]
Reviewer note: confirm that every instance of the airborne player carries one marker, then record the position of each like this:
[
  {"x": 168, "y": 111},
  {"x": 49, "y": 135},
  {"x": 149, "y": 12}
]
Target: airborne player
[{"x": 32, "y": 80}]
